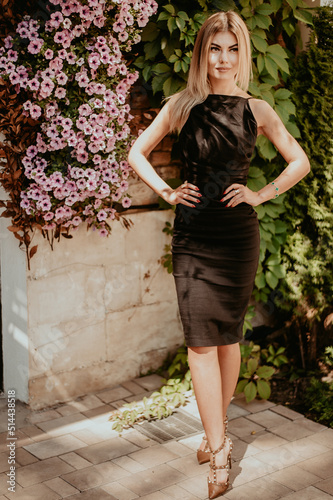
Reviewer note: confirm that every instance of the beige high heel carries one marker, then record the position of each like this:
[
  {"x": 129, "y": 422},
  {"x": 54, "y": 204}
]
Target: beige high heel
[
  {"x": 216, "y": 489},
  {"x": 203, "y": 455}
]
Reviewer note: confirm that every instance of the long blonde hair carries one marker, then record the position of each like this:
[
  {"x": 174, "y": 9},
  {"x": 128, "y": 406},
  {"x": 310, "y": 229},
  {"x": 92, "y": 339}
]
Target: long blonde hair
[{"x": 198, "y": 85}]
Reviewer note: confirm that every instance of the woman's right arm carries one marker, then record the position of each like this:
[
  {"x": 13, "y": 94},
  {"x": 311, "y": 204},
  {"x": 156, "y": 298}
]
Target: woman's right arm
[{"x": 141, "y": 149}]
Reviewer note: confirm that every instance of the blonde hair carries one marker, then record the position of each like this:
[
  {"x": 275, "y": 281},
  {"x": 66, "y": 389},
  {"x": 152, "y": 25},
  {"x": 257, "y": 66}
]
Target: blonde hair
[{"x": 198, "y": 85}]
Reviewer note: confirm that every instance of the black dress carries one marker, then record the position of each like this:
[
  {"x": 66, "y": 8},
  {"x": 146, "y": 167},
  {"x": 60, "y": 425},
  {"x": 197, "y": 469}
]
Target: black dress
[{"x": 215, "y": 248}]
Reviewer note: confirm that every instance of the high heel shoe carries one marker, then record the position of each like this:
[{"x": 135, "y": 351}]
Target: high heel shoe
[
  {"x": 203, "y": 455},
  {"x": 216, "y": 489}
]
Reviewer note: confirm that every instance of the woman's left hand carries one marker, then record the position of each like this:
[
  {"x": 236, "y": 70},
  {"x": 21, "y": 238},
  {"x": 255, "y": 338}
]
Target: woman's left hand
[{"x": 237, "y": 193}]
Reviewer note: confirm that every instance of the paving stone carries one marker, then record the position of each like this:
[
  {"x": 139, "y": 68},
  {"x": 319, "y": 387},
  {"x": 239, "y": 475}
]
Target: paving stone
[
  {"x": 241, "y": 450},
  {"x": 321, "y": 465},
  {"x": 61, "y": 487},
  {"x": 268, "y": 419},
  {"x": 254, "y": 406},
  {"x": 265, "y": 440},
  {"x": 104, "y": 410},
  {"x": 280, "y": 457},
  {"x": 3, "y": 484},
  {"x": 65, "y": 425},
  {"x": 119, "y": 491},
  {"x": 43, "y": 416},
  {"x": 241, "y": 427},
  {"x": 150, "y": 382},
  {"x": 118, "y": 404},
  {"x": 4, "y": 466},
  {"x": 293, "y": 430},
  {"x": 189, "y": 465},
  {"x": 22, "y": 439},
  {"x": 138, "y": 397},
  {"x": 35, "y": 492},
  {"x": 326, "y": 485},
  {"x": 88, "y": 437},
  {"x": 114, "y": 394},
  {"x": 140, "y": 440},
  {"x": 307, "y": 447},
  {"x": 34, "y": 432},
  {"x": 235, "y": 411},
  {"x": 54, "y": 447},
  {"x": 295, "y": 478},
  {"x": 178, "y": 493},
  {"x": 157, "y": 495},
  {"x": 66, "y": 410},
  {"x": 192, "y": 442},
  {"x": 132, "y": 387},
  {"x": 85, "y": 403},
  {"x": 178, "y": 448},
  {"x": 75, "y": 460},
  {"x": 151, "y": 480},
  {"x": 41, "y": 471},
  {"x": 95, "y": 475},
  {"x": 107, "y": 450},
  {"x": 23, "y": 457},
  {"x": 324, "y": 437},
  {"x": 103, "y": 430},
  {"x": 248, "y": 469},
  {"x": 129, "y": 464},
  {"x": 155, "y": 455},
  {"x": 310, "y": 493},
  {"x": 263, "y": 488},
  {"x": 196, "y": 485},
  {"x": 287, "y": 412},
  {"x": 95, "y": 494}
]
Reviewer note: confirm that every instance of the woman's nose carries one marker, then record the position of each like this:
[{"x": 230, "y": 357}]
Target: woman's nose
[{"x": 223, "y": 56}]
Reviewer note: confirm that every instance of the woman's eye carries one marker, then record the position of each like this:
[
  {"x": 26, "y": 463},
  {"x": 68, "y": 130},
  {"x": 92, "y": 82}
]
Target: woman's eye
[
  {"x": 234, "y": 50},
  {"x": 214, "y": 49}
]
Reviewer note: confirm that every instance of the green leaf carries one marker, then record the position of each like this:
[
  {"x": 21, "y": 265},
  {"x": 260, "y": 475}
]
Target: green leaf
[
  {"x": 278, "y": 271},
  {"x": 260, "y": 281},
  {"x": 265, "y": 371},
  {"x": 271, "y": 66},
  {"x": 259, "y": 32},
  {"x": 172, "y": 24},
  {"x": 178, "y": 66},
  {"x": 268, "y": 96},
  {"x": 260, "y": 209},
  {"x": 146, "y": 73},
  {"x": 288, "y": 26},
  {"x": 262, "y": 21},
  {"x": 261, "y": 65},
  {"x": 252, "y": 365},
  {"x": 157, "y": 83},
  {"x": 277, "y": 50},
  {"x": 282, "y": 63},
  {"x": 282, "y": 94},
  {"x": 150, "y": 32},
  {"x": 259, "y": 43},
  {"x": 161, "y": 68},
  {"x": 240, "y": 386},
  {"x": 304, "y": 15},
  {"x": 264, "y": 389},
  {"x": 151, "y": 49},
  {"x": 183, "y": 15},
  {"x": 271, "y": 279},
  {"x": 250, "y": 391},
  {"x": 265, "y": 148},
  {"x": 276, "y": 4},
  {"x": 180, "y": 23},
  {"x": 170, "y": 8},
  {"x": 293, "y": 129},
  {"x": 265, "y": 9},
  {"x": 164, "y": 16},
  {"x": 292, "y": 3}
]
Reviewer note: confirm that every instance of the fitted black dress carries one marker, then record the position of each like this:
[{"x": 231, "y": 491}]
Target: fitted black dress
[{"x": 215, "y": 248}]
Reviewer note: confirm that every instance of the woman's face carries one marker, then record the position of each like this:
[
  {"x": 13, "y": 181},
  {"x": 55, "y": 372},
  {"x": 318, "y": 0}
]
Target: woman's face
[{"x": 223, "y": 58}]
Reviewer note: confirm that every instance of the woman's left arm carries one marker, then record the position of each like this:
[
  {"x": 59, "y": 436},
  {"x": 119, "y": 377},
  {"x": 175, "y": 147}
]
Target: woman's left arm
[{"x": 270, "y": 125}]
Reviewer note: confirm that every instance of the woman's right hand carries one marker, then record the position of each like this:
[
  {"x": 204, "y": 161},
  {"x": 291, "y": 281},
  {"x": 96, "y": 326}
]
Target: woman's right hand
[{"x": 184, "y": 194}]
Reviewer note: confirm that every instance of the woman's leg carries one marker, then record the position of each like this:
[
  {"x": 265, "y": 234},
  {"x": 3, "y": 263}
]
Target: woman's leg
[{"x": 229, "y": 359}]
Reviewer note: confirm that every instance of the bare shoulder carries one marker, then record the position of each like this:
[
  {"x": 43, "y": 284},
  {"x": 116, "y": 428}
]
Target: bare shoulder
[{"x": 264, "y": 114}]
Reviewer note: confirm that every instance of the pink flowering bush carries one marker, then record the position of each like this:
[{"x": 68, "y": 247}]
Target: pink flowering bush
[{"x": 74, "y": 71}]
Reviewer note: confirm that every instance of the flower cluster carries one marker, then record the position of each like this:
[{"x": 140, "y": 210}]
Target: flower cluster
[{"x": 74, "y": 71}]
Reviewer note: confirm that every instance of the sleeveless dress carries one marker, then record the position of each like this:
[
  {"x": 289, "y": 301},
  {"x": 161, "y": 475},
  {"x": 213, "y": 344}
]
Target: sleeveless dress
[{"x": 215, "y": 249}]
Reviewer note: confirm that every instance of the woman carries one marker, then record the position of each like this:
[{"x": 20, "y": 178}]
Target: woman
[{"x": 216, "y": 239}]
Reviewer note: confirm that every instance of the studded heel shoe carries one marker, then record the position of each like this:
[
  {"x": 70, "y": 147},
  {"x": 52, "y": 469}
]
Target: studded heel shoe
[
  {"x": 203, "y": 455},
  {"x": 216, "y": 489}
]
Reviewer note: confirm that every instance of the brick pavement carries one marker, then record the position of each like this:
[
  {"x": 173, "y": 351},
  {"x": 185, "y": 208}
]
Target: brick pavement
[{"x": 70, "y": 451}]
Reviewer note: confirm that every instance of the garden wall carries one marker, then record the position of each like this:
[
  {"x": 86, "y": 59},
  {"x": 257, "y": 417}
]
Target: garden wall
[{"x": 90, "y": 314}]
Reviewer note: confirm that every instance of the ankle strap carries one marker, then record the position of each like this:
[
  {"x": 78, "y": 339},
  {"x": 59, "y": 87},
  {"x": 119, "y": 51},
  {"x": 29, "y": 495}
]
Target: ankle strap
[{"x": 221, "y": 447}]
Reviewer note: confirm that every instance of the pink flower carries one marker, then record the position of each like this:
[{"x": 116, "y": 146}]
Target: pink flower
[
  {"x": 48, "y": 54},
  {"x": 48, "y": 216},
  {"x": 103, "y": 232},
  {"x": 82, "y": 157},
  {"x": 119, "y": 26},
  {"x": 126, "y": 202},
  {"x": 46, "y": 87},
  {"x": 33, "y": 84},
  {"x": 123, "y": 36},
  {"x": 62, "y": 78},
  {"x": 32, "y": 151},
  {"x": 35, "y": 46},
  {"x": 60, "y": 93},
  {"x": 12, "y": 55},
  {"x": 76, "y": 220},
  {"x": 94, "y": 60},
  {"x": 35, "y": 111}
]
